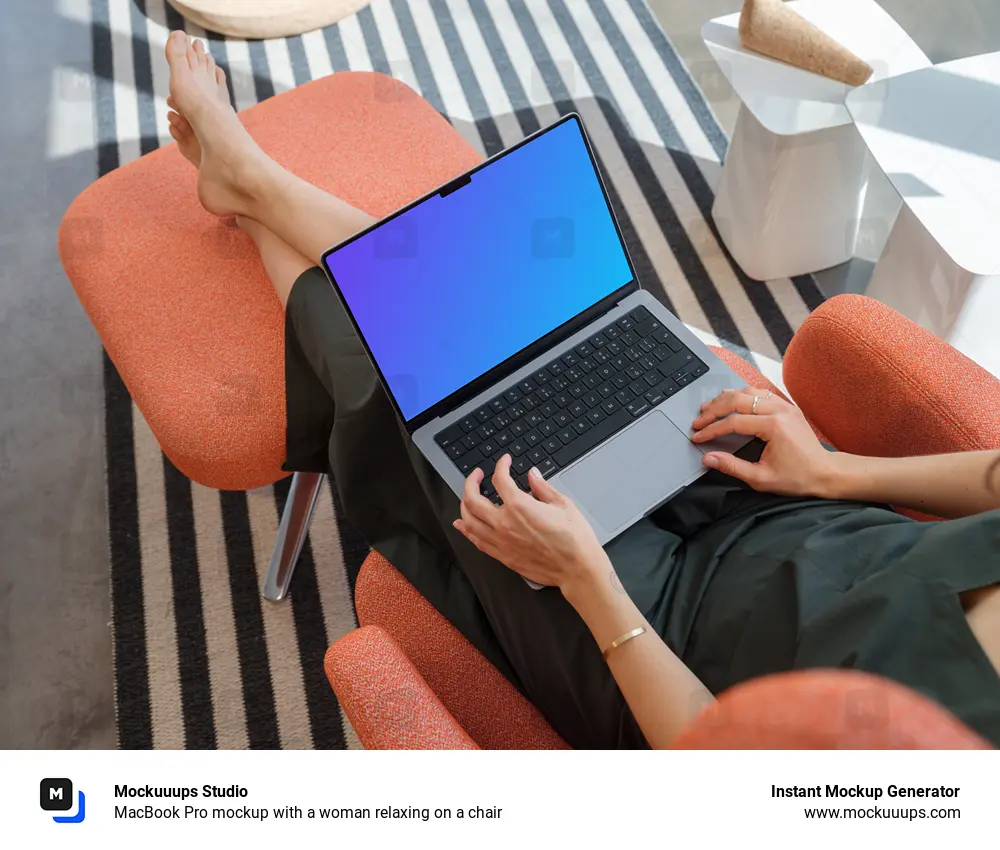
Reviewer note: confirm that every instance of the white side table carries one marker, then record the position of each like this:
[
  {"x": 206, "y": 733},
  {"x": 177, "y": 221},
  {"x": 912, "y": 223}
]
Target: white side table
[
  {"x": 796, "y": 173},
  {"x": 936, "y": 135}
]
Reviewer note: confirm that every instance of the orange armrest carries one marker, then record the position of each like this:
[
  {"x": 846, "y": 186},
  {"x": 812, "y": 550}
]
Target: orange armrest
[
  {"x": 386, "y": 699},
  {"x": 878, "y": 384}
]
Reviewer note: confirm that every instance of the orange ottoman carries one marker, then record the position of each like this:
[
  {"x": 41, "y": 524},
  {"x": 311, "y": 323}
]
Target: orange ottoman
[{"x": 180, "y": 298}]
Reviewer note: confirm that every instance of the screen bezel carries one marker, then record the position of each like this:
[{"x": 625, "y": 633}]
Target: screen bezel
[{"x": 525, "y": 355}]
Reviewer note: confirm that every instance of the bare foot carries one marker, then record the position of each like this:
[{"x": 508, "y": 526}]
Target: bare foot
[
  {"x": 209, "y": 132},
  {"x": 180, "y": 128}
]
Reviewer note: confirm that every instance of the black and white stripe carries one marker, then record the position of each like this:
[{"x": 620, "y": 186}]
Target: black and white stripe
[{"x": 200, "y": 660}]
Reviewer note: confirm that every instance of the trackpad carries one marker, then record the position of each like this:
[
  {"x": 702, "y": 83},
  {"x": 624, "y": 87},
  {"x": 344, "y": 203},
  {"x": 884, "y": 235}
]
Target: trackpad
[{"x": 632, "y": 472}]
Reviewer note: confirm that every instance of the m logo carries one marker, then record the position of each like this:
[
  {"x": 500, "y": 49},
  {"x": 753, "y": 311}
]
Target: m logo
[{"x": 56, "y": 795}]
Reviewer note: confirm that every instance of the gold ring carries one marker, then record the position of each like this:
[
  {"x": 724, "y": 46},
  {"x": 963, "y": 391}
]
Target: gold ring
[{"x": 756, "y": 401}]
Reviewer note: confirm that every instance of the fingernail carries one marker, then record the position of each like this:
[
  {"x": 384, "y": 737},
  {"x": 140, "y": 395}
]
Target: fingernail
[
  {"x": 711, "y": 461},
  {"x": 534, "y": 473}
]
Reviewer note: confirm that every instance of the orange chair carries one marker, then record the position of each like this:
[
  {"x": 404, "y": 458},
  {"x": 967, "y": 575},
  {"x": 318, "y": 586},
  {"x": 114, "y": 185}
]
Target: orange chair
[
  {"x": 873, "y": 383},
  {"x": 183, "y": 305}
]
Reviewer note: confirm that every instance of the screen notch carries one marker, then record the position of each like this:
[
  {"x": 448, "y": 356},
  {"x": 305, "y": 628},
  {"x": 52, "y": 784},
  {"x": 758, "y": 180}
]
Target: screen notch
[{"x": 455, "y": 185}]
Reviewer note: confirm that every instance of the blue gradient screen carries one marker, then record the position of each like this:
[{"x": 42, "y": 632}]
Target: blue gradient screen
[{"x": 456, "y": 285}]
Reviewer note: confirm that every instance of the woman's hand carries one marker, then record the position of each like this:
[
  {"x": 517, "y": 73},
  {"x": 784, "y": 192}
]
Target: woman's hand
[
  {"x": 545, "y": 539},
  {"x": 793, "y": 463}
]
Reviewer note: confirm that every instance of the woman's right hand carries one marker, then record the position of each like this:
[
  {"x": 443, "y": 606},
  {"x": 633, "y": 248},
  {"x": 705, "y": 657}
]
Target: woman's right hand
[{"x": 794, "y": 462}]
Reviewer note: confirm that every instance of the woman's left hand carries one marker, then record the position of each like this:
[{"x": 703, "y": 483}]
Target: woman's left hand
[{"x": 545, "y": 539}]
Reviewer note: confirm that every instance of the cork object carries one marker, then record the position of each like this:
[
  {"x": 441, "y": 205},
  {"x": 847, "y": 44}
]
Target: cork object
[{"x": 772, "y": 28}]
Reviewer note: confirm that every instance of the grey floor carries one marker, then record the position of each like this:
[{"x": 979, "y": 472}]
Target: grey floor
[{"x": 55, "y": 648}]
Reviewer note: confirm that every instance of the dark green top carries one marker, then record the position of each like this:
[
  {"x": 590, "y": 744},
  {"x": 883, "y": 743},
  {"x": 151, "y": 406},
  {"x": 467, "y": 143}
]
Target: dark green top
[{"x": 738, "y": 583}]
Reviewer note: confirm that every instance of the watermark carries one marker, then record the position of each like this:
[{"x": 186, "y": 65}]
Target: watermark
[
  {"x": 866, "y": 709},
  {"x": 388, "y": 90},
  {"x": 553, "y": 238},
  {"x": 239, "y": 396},
  {"x": 549, "y": 75},
  {"x": 81, "y": 236},
  {"x": 397, "y": 239},
  {"x": 712, "y": 78},
  {"x": 74, "y": 85}
]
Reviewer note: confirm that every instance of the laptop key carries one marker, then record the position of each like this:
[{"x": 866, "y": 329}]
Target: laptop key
[
  {"x": 521, "y": 465},
  {"x": 601, "y": 357},
  {"x": 586, "y": 365},
  {"x": 468, "y": 424},
  {"x": 522, "y": 482},
  {"x": 546, "y": 429},
  {"x": 489, "y": 448},
  {"x": 624, "y": 396},
  {"x": 570, "y": 358},
  {"x": 502, "y": 438},
  {"x": 612, "y": 332},
  {"x": 581, "y": 426},
  {"x": 633, "y": 353},
  {"x": 543, "y": 394},
  {"x": 683, "y": 380},
  {"x": 527, "y": 386},
  {"x": 646, "y": 326},
  {"x": 610, "y": 406},
  {"x": 584, "y": 349},
  {"x": 484, "y": 414},
  {"x": 595, "y": 436},
  {"x": 598, "y": 340},
  {"x": 640, "y": 314},
  {"x": 470, "y": 440},
  {"x": 541, "y": 377},
  {"x": 578, "y": 389},
  {"x": 576, "y": 410},
  {"x": 566, "y": 436},
  {"x": 591, "y": 399},
  {"x": 516, "y": 411},
  {"x": 535, "y": 455},
  {"x": 455, "y": 450},
  {"x": 620, "y": 381},
  {"x": 518, "y": 448},
  {"x": 652, "y": 378},
  {"x": 655, "y": 396},
  {"x": 512, "y": 395},
  {"x": 675, "y": 363},
  {"x": 699, "y": 370},
  {"x": 548, "y": 410},
  {"x": 606, "y": 390},
  {"x": 614, "y": 348},
  {"x": 497, "y": 405},
  {"x": 595, "y": 415},
  {"x": 626, "y": 323},
  {"x": 486, "y": 431},
  {"x": 552, "y": 445},
  {"x": 468, "y": 462},
  {"x": 533, "y": 419},
  {"x": 448, "y": 435},
  {"x": 548, "y": 467},
  {"x": 638, "y": 407},
  {"x": 593, "y": 380},
  {"x": 558, "y": 384},
  {"x": 564, "y": 399},
  {"x": 562, "y": 419},
  {"x": 662, "y": 352},
  {"x": 556, "y": 368},
  {"x": 667, "y": 387},
  {"x": 573, "y": 374},
  {"x": 647, "y": 362},
  {"x": 646, "y": 345},
  {"x": 533, "y": 438},
  {"x": 501, "y": 421},
  {"x": 629, "y": 339},
  {"x": 634, "y": 371},
  {"x": 638, "y": 387},
  {"x": 519, "y": 429}
]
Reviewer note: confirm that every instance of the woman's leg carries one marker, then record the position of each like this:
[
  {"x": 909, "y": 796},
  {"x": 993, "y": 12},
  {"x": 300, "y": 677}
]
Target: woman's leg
[
  {"x": 235, "y": 177},
  {"x": 284, "y": 265}
]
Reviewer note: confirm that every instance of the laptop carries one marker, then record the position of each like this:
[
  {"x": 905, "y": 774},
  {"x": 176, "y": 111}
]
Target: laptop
[{"x": 503, "y": 314}]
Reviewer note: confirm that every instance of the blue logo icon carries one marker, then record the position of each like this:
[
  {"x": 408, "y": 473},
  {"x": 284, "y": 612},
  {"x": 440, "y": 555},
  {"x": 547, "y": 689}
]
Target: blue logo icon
[{"x": 56, "y": 795}]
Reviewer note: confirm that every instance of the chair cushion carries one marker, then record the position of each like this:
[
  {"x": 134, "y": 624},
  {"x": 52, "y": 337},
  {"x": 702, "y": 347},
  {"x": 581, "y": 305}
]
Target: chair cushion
[{"x": 179, "y": 297}]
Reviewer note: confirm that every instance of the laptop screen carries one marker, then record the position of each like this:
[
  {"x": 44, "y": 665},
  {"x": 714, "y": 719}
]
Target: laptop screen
[{"x": 456, "y": 285}]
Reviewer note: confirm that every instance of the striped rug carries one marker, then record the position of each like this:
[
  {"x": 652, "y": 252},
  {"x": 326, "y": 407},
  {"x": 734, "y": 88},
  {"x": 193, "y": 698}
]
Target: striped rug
[{"x": 200, "y": 660}]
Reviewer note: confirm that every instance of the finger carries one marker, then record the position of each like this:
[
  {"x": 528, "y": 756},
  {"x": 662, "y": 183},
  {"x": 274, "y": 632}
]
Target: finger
[
  {"x": 508, "y": 490},
  {"x": 738, "y": 423},
  {"x": 735, "y": 401},
  {"x": 543, "y": 491},
  {"x": 476, "y": 502},
  {"x": 474, "y": 524},
  {"x": 752, "y": 473},
  {"x": 482, "y": 545}
]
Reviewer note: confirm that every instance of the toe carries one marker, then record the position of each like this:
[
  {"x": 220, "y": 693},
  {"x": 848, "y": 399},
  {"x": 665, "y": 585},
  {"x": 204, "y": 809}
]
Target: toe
[
  {"x": 200, "y": 53},
  {"x": 192, "y": 54},
  {"x": 176, "y": 46},
  {"x": 220, "y": 79}
]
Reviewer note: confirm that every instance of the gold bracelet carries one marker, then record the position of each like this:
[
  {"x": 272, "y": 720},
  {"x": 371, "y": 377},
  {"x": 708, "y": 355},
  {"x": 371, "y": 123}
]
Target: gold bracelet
[{"x": 625, "y": 638}]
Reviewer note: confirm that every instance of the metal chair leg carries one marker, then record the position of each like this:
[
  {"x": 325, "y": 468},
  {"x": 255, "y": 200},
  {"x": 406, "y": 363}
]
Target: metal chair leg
[{"x": 292, "y": 533}]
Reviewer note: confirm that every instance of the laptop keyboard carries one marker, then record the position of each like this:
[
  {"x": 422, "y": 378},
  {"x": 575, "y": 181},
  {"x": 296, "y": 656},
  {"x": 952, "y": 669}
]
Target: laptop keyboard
[{"x": 575, "y": 402}]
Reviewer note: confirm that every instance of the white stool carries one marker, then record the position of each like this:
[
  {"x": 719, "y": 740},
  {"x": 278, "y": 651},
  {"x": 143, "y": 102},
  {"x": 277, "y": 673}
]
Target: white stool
[
  {"x": 795, "y": 177},
  {"x": 936, "y": 135}
]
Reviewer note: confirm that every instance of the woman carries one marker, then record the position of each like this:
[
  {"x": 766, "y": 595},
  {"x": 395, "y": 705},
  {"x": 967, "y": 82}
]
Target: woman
[{"x": 777, "y": 558}]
